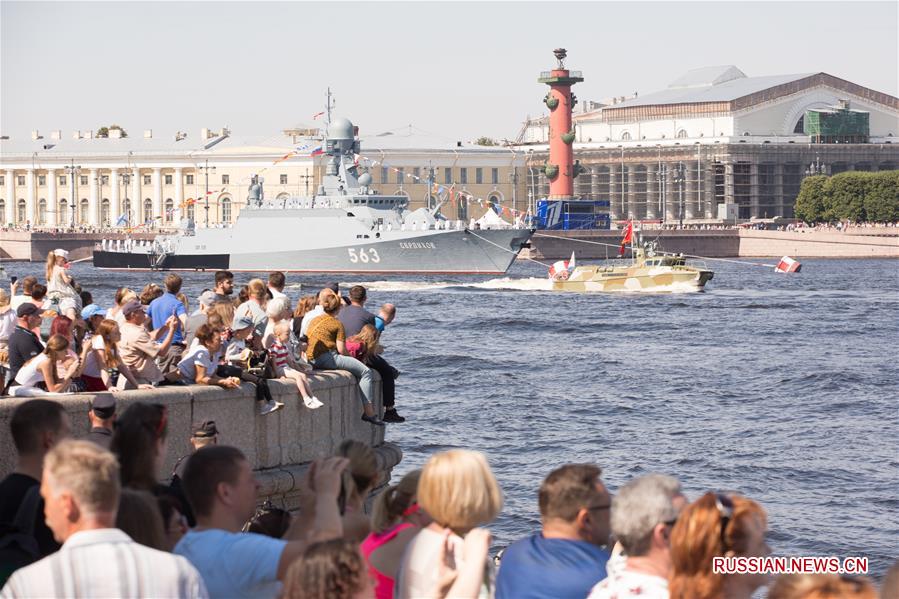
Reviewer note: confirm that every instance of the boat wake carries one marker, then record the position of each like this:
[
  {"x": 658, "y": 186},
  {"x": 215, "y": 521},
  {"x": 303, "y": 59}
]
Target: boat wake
[{"x": 510, "y": 284}]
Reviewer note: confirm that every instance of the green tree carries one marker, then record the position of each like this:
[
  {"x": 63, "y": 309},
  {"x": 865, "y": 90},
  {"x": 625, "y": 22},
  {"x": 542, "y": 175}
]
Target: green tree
[
  {"x": 485, "y": 141},
  {"x": 809, "y": 205},
  {"x": 844, "y": 197},
  {"x": 882, "y": 197}
]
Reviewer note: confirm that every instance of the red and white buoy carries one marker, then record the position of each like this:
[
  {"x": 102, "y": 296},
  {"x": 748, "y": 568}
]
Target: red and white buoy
[{"x": 787, "y": 264}]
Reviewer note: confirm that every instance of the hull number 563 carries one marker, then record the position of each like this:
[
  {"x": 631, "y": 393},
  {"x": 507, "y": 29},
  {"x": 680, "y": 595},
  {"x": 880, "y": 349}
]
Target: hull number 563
[{"x": 363, "y": 255}]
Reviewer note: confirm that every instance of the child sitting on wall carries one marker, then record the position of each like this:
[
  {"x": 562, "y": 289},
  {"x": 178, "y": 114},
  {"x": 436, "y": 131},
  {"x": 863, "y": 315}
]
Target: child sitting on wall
[{"x": 286, "y": 366}]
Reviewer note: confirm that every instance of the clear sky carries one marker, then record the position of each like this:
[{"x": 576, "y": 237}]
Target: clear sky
[{"x": 457, "y": 69}]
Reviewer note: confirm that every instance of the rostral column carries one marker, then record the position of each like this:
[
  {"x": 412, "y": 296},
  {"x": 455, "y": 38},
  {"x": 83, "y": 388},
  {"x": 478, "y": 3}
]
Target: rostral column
[{"x": 561, "y": 168}]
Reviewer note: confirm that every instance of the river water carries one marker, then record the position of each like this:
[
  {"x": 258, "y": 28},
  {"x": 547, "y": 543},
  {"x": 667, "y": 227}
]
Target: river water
[{"x": 784, "y": 388}]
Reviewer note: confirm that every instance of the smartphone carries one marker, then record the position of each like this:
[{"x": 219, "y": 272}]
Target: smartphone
[
  {"x": 345, "y": 481},
  {"x": 13, "y": 280}
]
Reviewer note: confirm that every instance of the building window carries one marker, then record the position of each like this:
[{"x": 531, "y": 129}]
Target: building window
[
  {"x": 2, "y": 210},
  {"x": 448, "y": 175},
  {"x": 463, "y": 176},
  {"x": 416, "y": 175},
  {"x": 85, "y": 211},
  {"x": 189, "y": 179},
  {"x": 385, "y": 174},
  {"x": 21, "y": 212},
  {"x": 682, "y": 133},
  {"x": 83, "y": 180},
  {"x": 62, "y": 214},
  {"x": 146, "y": 179},
  {"x": 400, "y": 176},
  {"x": 190, "y": 211},
  {"x": 478, "y": 176},
  {"x": 62, "y": 179},
  {"x": 226, "y": 179},
  {"x": 168, "y": 179},
  {"x": 42, "y": 211},
  {"x": 431, "y": 201},
  {"x": 126, "y": 210},
  {"x": 20, "y": 180},
  {"x": 169, "y": 210},
  {"x": 494, "y": 176},
  {"x": 104, "y": 212},
  {"x": 104, "y": 179},
  {"x": 2, "y": 180},
  {"x": 148, "y": 210},
  {"x": 625, "y": 136},
  {"x": 283, "y": 179},
  {"x": 226, "y": 210},
  {"x": 462, "y": 210},
  {"x": 42, "y": 179}
]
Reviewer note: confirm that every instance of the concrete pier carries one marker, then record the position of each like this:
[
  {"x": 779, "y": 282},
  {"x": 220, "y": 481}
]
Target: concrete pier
[
  {"x": 279, "y": 446},
  {"x": 855, "y": 242},
  {"x": 34, "y": 245}
]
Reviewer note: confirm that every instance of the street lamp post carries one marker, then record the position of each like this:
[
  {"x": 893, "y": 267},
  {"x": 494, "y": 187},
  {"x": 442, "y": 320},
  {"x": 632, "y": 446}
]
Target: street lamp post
[
  {"x": 206, "y": 168},
  {"x": 816, "y": 168},
  {"x": 126, "y": 179},
  {"x": 73, "y": 171},
  {"x": 679, "y": 180}
]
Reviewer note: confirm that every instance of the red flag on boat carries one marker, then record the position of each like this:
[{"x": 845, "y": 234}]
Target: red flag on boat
[
  {"x": 787, "y": 264},
  {"x": 628, "y": 237},
  {"x": 560, "y": 270}
]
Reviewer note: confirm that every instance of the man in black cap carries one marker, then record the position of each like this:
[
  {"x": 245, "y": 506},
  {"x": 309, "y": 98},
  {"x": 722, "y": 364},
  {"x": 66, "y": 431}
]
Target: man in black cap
[
  {"x": 201, "y": 436},
  {"x": 102, "y": 419},
  {"x": 23, "y": 343}
]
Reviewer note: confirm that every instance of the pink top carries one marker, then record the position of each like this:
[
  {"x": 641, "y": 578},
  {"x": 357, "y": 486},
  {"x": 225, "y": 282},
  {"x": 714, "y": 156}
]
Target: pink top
[{"x": 383, "y": 583}]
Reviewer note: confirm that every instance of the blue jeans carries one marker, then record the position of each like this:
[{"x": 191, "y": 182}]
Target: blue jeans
[{"x": 333, "y": 361}]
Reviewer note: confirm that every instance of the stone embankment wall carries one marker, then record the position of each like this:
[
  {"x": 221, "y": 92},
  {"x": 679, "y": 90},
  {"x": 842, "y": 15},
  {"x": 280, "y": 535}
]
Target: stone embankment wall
[
  {"x": 824, "y": 243},
  {"x": 279, "y": 446},
  {"x": 34, "y": 246},
  {"x": 856, "y": 242}
]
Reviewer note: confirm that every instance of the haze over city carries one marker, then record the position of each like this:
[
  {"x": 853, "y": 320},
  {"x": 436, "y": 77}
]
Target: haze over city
[{"x": 460, "y": 70}]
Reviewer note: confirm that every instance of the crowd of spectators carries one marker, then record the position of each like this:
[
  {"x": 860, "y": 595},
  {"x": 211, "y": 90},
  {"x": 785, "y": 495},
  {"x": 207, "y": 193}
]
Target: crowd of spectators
[
  {"x": 91, "y": 518},
  {"x": 78, "y": 519},
  {"x": 149, "y": 337}
]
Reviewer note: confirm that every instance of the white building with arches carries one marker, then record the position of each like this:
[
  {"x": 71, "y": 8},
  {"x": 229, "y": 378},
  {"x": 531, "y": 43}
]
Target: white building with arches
[{"x": 715, "y": 137}]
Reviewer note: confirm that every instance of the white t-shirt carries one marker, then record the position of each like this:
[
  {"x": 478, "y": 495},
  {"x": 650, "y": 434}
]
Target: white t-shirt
[
  {"x": 234, "y": 564},
  {"x": 92, "y": 364},
  {"x": 309, "y": 317},
  {"x": 197, "y": 356},
  {"x": 7, "y": 325},
  {"x": 29, "y": 375},
  {"x": 627, "y": 584}
]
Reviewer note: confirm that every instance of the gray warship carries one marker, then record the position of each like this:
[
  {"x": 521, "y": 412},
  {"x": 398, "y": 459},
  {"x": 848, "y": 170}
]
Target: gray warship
[{"x": 345, "y": 227}]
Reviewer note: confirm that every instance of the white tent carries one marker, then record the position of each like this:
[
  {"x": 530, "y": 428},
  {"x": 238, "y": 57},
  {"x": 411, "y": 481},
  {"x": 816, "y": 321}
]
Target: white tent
[{"x": 491, "y": 220}]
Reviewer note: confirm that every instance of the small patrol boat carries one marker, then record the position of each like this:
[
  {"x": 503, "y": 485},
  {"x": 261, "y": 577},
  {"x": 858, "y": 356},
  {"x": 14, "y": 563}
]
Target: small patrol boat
[{"x": 649, "y": 272}]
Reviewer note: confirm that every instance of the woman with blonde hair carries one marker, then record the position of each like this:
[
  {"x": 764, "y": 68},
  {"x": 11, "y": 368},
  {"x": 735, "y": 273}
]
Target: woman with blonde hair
[
  {"x": 122, "y": 296},
  {"x": 716, "y": 525},
  {"x": 326, "y": 350},
  {"x": 61, "y": 285},
  {"x": 395, "y": 520},
  {"x": 458, "y": 491},
  {"x": 102, "y": 361},
  {"x": 38, "y": 375},
  {"x": 365, "y": 344}
]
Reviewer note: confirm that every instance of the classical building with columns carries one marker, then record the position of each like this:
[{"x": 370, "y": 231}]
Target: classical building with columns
[
  {"x": 90, "y": 181},
  {"x": 717, "y": 145}
]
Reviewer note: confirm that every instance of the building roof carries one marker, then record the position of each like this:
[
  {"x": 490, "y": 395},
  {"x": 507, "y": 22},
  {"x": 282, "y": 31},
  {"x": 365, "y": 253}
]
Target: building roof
[
  {"x": 710, "y": 84},
  {"x": 412, "y": 138}
]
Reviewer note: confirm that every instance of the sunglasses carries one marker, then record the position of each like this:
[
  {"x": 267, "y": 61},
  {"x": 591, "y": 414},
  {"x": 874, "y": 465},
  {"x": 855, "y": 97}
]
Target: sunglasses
[{"x": 725, "y": 507}]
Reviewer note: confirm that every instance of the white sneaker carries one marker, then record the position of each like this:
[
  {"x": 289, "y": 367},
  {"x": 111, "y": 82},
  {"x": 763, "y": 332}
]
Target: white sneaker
[
  {"x": 312, "y": 402},
  {"x": 269, "y": 407}
]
